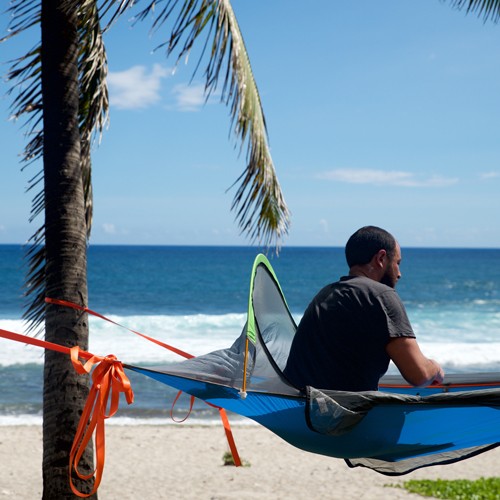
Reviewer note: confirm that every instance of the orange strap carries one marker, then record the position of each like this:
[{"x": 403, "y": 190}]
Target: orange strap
[
  {"x": 222, "y": 412},
  {"x": 25, "y": 339},
  {"x": 108, "y": 378},
  {"x": 191, "y": 403},
  {"x": 229, "y": 437},
  {"x": 72, "y": 305}
]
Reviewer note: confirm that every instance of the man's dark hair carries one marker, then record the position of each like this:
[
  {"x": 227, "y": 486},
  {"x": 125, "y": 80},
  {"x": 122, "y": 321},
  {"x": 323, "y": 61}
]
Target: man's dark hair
[{"x": 366, "y": 242}]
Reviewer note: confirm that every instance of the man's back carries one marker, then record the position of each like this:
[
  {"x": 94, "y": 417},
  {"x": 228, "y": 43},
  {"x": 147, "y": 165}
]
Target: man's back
[{"x": 341, "y": 339}]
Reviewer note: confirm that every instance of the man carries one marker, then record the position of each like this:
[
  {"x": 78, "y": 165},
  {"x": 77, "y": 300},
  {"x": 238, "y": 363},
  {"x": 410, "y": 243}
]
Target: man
[{"x": 354, "y": 327}]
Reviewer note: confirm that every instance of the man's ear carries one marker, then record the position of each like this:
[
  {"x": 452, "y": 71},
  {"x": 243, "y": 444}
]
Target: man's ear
[{"x": 379, "y": 259}]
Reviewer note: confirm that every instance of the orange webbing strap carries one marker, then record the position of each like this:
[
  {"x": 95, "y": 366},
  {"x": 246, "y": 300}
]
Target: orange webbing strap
[
  {"x": 222, "y": 412},
  {"x": 225, "y": 423},
  {"x": 191, "y": 403},
  {"x": 25, "y": 339},
  {"x": 72, "y": 305},
  {"x": 229, "y": 437},
  {"x": 108, "y": 378}
]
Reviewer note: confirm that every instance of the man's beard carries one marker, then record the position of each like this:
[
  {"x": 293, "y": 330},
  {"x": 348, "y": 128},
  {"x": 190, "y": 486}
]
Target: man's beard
[{"x": 388, "y": 280}]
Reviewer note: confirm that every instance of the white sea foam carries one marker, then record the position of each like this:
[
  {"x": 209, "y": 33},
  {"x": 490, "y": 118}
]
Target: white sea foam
[
  {"x": 460, "y": 357},
  {"x": 194, "y": 334},
  {"x": 9, "y": 420},
  {"x": 457, "y": 340},
  {"x": 12, "y": 352}
]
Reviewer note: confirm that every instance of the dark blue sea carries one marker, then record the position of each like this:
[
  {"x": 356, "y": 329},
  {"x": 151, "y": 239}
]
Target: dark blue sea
[{"x": 195, "y": 298}]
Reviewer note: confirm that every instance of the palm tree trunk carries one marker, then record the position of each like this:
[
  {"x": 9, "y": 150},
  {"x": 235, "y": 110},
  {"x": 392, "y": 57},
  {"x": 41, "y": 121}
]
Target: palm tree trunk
[{"x": 64, "y": 391}]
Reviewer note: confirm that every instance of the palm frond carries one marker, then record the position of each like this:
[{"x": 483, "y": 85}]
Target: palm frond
[
  {"x": 23, "y": 14},
  {"x": 25, "y": 73},
  {"x": 259, "y": 204},
  {"x": 487, "y": 9},
  {"x": 94, "y": 101}
]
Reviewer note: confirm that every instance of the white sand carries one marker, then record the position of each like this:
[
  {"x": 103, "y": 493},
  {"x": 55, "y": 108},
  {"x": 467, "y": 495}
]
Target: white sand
[{"x": 185, "y": 462}]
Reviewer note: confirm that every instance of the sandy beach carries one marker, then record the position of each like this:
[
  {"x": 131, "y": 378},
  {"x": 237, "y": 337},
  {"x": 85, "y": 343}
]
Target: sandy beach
[{"x": 185, "y": 462}]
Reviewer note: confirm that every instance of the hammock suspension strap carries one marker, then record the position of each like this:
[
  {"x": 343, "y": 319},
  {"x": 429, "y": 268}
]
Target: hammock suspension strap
[
  {"x": 222, "y": 412},
  {"x": 108, "y": 379}
]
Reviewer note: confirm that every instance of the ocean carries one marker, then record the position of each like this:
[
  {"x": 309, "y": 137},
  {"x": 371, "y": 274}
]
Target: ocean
[{"x": 195, "y": 298}]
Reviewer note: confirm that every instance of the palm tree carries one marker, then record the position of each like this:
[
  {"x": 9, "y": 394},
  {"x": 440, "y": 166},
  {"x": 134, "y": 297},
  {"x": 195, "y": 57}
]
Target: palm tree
[
  {"x": 64, "y": 233},
  {"x": 64, "y": 100}
]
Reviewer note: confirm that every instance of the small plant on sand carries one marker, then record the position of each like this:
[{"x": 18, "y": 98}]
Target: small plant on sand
[
  {"x": 227, "y": 459},
  {"x": 458, "y": 489}
]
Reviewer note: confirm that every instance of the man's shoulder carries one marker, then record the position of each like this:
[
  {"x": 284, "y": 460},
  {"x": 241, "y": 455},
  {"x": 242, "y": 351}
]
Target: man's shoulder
[{"x": 356, "y": 286}]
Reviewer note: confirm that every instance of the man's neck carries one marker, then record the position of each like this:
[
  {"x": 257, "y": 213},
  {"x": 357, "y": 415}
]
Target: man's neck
[{"x": 367, "y": 270}]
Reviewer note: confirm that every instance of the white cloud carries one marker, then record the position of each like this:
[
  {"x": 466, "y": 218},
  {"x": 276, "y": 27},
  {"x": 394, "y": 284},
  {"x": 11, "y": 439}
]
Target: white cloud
[
  {"x": 386, "y": 178},
  {"x": 109, "y": 228},
  {"x": 135, "y": 88},
  {"x": 489, "y": 175},
  {"x": 324, "y": 225},
  {"x": 189, "y": 97}
]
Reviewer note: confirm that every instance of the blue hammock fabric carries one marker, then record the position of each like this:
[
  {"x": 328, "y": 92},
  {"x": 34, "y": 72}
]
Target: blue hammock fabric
[{"x": 393, "y": 431}]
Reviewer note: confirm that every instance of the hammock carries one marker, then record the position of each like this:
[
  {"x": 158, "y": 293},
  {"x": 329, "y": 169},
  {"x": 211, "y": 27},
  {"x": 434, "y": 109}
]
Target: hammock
[{"x": 392, "y": 431}]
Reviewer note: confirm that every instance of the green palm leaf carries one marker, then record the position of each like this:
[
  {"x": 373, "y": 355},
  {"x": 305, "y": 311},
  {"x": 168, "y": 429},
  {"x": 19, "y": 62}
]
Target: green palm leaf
[
  {"x": 487, "y": 9},
  {"x": 260, "y": 207},
  {"x": 26, "y": 73}
]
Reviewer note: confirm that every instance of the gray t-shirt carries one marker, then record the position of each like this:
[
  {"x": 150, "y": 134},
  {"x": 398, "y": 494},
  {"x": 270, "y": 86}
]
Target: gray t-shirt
[{"x": 340, "y": 341}]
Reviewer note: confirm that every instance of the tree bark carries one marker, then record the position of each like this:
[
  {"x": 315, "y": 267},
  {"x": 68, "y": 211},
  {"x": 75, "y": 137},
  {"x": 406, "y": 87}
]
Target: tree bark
[{"x": 65, "y": 392}]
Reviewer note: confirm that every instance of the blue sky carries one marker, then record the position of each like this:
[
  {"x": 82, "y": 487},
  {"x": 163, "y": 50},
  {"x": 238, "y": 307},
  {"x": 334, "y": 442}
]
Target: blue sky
[{"x": 384, "y": 113}]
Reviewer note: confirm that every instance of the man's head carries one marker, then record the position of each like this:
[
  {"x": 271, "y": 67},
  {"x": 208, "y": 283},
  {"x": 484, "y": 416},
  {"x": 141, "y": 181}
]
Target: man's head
[{"x": 373, "y": 252}]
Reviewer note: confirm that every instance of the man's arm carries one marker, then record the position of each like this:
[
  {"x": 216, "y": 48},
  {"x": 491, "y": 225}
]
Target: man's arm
[{"x": 413, "y": 365}]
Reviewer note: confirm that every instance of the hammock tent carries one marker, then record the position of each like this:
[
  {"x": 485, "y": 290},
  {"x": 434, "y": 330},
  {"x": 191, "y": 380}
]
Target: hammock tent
[{"x": 392, "y": 431}]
